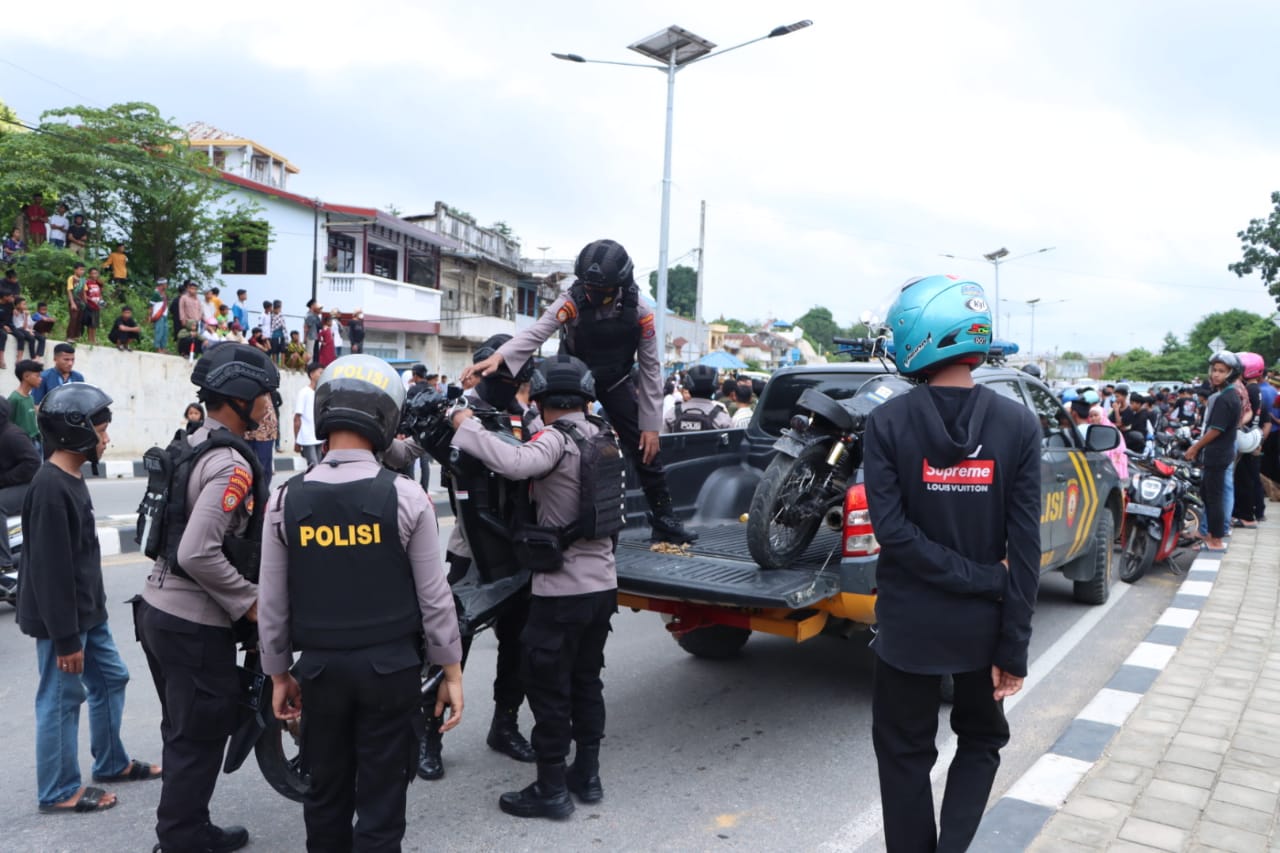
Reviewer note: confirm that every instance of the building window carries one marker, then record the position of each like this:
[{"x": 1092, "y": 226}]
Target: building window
[
  {"x": 384, "y": 261},
  {"x": 342, "y": 253},
  {"x": 244, "y": 249},
  {"x": 422, "y": 269}
]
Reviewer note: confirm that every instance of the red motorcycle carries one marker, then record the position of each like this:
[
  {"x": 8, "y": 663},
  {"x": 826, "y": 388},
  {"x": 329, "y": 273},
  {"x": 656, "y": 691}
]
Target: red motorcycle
[{"x": 1162, "y": 513}]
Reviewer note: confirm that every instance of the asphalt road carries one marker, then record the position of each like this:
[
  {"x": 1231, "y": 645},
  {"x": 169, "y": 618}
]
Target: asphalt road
[{"x": 770, "y": 751}]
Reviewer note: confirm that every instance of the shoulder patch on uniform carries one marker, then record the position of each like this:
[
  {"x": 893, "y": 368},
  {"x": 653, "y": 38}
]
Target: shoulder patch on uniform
[
  {"x": 568, "y": 311},
  {"x": 646, "y": 326},
  {"x": 237, "y": 488}
]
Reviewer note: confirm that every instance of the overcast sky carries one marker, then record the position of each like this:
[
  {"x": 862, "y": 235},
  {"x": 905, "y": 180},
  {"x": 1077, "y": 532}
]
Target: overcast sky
[{"x": 1135, "y": 137}]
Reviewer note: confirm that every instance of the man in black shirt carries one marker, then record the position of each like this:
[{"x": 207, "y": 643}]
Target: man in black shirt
[
  {"x": 1216, "y": 446},
  {"x": 953, "y": 489},
  {"x": 125, "y": 331}
]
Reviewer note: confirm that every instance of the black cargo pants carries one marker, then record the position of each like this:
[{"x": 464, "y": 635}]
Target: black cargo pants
[
  {"x": 904, "y": 728},
  {"x": 622, "y": 406},
  {"x": 361, "y": 726},
  {"x": 194, "y": 669},
  {"x": 563, "y": 642},
  {"x": 508, "y": 682}
]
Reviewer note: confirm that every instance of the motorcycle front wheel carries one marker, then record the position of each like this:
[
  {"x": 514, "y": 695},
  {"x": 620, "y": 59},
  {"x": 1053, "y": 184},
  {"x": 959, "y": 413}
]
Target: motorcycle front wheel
[
  {"x": 785, "y": 511},
  {"x": 1138, "y": 554}
]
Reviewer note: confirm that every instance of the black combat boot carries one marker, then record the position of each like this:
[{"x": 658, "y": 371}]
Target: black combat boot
[
  {"x": 666, "y": 527},
  {"x": 505, "y": 737},
  {"x": 583, "y": 777},
  {"x": 547, "y": 797},
  {"x": 430, "y": 762},
  {"x": 216, "y": 839}
]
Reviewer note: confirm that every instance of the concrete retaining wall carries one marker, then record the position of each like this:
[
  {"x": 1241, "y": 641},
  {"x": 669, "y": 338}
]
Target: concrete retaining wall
[{"x": 150, "y": 393}]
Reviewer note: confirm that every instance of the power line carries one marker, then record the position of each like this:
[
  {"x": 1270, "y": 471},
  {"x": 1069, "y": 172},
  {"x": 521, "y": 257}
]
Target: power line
[{"x": 55, "y": 83}]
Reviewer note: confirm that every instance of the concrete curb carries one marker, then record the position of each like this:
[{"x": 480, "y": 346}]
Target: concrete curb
[{"x": 1017, "y": 818}]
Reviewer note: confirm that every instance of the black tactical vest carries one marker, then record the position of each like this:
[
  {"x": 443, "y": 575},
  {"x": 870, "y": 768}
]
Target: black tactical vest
[
  {"x": 608, "y": 343},
  {"x": 350, "y": 582},
  {"x": 696, "y": 420}
]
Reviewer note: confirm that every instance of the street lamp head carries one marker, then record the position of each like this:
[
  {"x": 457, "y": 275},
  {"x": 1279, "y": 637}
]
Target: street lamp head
[
  {"x": 1002, "y": 252},
  {"x": 1032, "y": 302},
  {"x": 789, "y": 28},
  {"x": 568, "y": 57},
  {"x": 674, "y": 45}
]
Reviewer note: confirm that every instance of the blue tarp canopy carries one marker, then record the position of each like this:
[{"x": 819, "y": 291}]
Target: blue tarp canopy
[{"x": 722, "y": 360}]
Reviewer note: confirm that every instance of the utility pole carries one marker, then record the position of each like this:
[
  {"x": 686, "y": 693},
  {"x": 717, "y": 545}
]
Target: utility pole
[{"x": 697, "y": 309}]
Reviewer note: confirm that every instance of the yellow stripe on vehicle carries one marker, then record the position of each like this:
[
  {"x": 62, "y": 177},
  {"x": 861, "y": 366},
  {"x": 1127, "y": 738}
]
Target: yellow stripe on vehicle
[{"x": 1089, "y": 495}]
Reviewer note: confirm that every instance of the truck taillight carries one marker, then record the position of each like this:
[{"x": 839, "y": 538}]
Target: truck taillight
[{"x": 859, "y": 538}]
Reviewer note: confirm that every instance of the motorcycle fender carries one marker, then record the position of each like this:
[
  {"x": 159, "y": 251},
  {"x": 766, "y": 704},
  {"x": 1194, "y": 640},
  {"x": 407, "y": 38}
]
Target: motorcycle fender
[{"x": 793, "y": 444}]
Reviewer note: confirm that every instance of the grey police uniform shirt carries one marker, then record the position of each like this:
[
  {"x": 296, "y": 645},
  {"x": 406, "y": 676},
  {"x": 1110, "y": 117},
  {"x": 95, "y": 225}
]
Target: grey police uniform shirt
[
  {"x": 220, "y": 497},
  {"x": 550, "y": 460},
  {"x": 419, "y": 534},
  {"x": 521, "y": 348},
  {"x": 720, "y": 418}
]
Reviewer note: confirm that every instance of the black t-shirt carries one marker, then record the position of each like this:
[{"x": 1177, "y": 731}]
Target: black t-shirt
[
  {"x": 80, "y": 232},
  {"x": 1222, "y": 413},
  {"x": 116, "y": 326}
]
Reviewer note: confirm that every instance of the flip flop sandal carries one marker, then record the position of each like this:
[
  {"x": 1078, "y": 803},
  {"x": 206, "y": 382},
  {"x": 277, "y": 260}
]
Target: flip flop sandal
[
  {"x": 90, "y": 801},
  {"x": 137, "y": 771}
]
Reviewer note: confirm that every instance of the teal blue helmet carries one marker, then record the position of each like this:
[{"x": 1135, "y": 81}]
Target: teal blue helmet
[{"x": 938, "y": 320}]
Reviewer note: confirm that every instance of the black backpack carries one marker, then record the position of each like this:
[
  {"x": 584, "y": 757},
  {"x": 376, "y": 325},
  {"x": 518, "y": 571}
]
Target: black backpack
[
  {"x": 602, "y": 474},
  {"x": 694, "y": 420},
  {"x": 162, "y": 514}
]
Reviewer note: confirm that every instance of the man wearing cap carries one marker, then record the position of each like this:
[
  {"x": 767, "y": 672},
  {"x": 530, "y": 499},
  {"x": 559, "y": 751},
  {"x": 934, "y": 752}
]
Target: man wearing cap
[{"x": 160, "y": 314}]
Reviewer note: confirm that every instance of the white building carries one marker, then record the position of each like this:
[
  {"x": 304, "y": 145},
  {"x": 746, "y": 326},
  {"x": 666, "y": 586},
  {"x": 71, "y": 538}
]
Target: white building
[{"x": 346, "y": 257}]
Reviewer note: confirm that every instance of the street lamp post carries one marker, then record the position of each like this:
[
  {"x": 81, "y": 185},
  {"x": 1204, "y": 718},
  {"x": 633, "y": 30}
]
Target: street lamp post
[
  {"x": 675, "y": 48},
  {"x": 996, "y": 258}
]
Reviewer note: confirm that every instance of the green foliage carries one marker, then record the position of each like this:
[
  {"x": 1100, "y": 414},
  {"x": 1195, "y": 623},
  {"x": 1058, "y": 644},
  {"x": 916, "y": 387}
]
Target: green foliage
[
  {"x": 1242, "y": 331},
  {"x": 503, "y": 228},
  {"x": 1260, "y": 249},
  {"x": 1072, "y": 355},
  {"x": 130, "y": 171},
  {"x": 819, "y": 328},
  {"x": 682, "y": 290},
  {"x": 736, "y": 326}
]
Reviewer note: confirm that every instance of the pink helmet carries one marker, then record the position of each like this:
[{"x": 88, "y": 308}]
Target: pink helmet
[{"x": 1253, "y": 366}]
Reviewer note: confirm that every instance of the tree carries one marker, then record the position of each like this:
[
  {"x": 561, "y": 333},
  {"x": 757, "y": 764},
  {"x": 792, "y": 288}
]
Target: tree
[
  {"x": 682, "y": 289},
  {"x": 1072, "y": 355},
  {"x": 736, "y": 326},
  {"x": 130, "y": 171},
  {"x": 1260, "y": 249},
  {"x": 819, "y": 327},
  {"x": 1242, "y": 331}
]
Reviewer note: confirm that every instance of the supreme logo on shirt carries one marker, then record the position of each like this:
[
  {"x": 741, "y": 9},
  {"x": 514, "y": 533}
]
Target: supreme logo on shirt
[{"x": 969, "y": 475}]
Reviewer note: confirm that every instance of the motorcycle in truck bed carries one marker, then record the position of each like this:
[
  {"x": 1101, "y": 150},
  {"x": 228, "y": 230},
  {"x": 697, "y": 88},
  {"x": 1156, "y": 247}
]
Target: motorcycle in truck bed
[{"x": 714, "y": 593}]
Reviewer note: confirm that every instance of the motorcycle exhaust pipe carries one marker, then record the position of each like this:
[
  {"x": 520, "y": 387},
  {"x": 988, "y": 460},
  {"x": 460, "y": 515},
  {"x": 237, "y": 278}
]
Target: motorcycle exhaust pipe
[{"x": 835, "y": 518}]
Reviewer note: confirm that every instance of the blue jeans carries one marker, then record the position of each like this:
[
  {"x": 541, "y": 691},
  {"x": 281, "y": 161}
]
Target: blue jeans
[
  {"x": 161, "y": 330},
  {"x": 58, "y": 700},
  {"x": 1228, "y": 504}
]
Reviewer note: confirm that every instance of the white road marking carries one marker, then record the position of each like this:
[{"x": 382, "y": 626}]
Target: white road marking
[
  {"x": 1112, "y": 707},
  {"x": 1200, "y": 564},
  {"x": 1050, "y": 780},
  {"x": 1178, "y": 617},
  {"x": 1200, "y": 589},
  {"x": 868, "y": 824}
]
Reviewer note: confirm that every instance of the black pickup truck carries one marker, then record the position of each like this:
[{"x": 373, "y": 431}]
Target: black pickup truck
[{"x": 714, "y": 596}]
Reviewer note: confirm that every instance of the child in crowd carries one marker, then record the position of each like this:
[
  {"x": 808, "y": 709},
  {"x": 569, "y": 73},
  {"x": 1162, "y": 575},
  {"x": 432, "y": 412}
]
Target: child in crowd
[
  {"x": 23, "y": 330},
  {"x": 91, "y": 317},
  {"x": 22, "y": 409},
  {"x": 295, "y": 353},
  {"x": 194, "y": 416},
  {"x": 41, "y": 324}
]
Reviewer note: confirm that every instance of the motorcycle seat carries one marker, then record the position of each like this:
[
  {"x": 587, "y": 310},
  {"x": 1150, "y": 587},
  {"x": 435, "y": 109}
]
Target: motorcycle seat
[{"x": 826, "y": 408}]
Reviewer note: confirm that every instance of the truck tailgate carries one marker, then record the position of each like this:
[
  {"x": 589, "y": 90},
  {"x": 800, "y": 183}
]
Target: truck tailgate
[{"x": 718, "y": 571}]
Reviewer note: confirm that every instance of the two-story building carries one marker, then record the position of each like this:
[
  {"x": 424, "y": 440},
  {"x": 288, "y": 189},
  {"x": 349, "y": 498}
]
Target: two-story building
[{"x": 347, "y": 257}]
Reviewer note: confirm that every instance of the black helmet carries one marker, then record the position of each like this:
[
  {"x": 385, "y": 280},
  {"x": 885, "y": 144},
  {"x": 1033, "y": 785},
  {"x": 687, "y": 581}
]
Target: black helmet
[
  {"x": 604, "y": 263},
  {"x": 491, "y": 346},
  {"x": 560, "y": 377},
  {"x": 1122, "y": 388},
  {"x": 1231, "y": 360},
  {"x": 360, "y": 393},
  {"x": 238, "y": 371},
  {"x": 1135, "y": 441},
  {"x": 701, "y": 380},
  {"x": 68, "y": 415},
  {"x": 1031, "y": 369}
]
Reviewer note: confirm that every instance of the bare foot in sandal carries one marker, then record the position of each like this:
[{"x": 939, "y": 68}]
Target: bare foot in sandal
[
  {"x": 134, "y": 771},
  {"x": 84, "y": 800}
]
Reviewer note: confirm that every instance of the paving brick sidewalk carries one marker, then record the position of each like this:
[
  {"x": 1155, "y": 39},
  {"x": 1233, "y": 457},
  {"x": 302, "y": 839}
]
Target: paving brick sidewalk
[{"x": 1196, "y": 766}]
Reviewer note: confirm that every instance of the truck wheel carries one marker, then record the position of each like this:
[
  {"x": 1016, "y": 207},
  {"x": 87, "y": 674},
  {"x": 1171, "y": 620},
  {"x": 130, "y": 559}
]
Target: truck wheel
[
  {"x": 1138, "y": 554},
  {"x": 778, "y": 529},
  {"x": 1098, "y": 588},
  {"x": 715, "y": 642}
]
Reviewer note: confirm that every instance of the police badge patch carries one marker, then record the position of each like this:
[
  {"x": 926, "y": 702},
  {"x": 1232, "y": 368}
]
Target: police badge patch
[{"x": 238, "y": 487}]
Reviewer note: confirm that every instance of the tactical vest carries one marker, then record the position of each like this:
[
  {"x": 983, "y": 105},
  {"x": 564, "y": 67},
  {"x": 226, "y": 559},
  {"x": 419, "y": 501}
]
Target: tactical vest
[
  {"x": 696, "y": 420},
  {"x": 163, "y": 512},
  {"x": 602, "y": 479},
  {"x": 488, "y": 506},
  {"x": 350, "y": 581},
  {"x": 607, "y": 344}
]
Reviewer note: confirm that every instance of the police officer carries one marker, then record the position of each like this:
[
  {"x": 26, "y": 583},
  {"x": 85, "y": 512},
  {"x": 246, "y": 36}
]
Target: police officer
[
  {"x": 699, "y": 412},
  {"x": 495, "y": 393},
  {"x": 603, "y": 322},
  {"x": 351, "y": 578},
  {"x": 194, "y": 594},
  {"x": 571, "y": 608}
]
